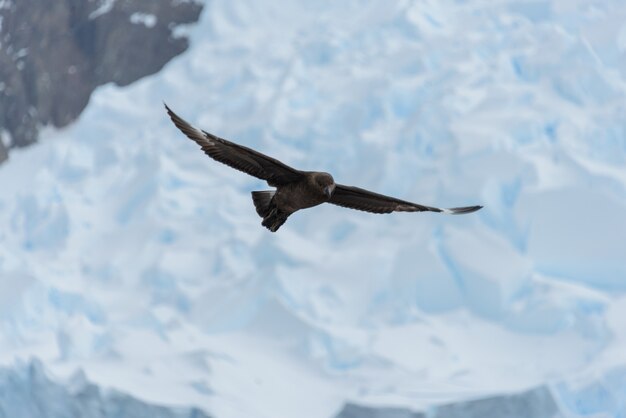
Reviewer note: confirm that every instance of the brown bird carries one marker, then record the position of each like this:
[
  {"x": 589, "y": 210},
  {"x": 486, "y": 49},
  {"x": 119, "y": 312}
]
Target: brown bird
[{"x": 295, "y": 189}]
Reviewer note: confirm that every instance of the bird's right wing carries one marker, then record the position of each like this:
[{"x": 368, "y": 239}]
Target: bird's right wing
[
  {"x": 237, "y": 156},
  {"x": 361, "y": 199}
]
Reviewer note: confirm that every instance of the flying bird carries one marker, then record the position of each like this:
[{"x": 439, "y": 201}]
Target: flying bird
[{"x": 295, "y": 189}]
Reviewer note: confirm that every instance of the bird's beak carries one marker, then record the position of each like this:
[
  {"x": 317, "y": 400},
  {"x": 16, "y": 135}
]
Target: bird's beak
[{"x": 328, "y": 190}]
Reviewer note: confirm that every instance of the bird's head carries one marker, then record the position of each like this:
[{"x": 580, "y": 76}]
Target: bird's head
[{"x": 326, "y": 183}]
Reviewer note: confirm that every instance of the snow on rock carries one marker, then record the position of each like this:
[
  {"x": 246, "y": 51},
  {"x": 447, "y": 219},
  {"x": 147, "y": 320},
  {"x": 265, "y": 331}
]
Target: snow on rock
[{"x": 146, "y": 19}]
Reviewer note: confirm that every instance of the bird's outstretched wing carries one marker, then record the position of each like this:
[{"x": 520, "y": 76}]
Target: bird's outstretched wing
[
  {"x": 237, "y": 156},
  {"x": 361, "y": 199}
]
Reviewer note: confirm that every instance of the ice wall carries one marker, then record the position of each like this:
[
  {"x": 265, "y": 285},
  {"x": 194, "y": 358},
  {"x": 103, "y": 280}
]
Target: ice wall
[
  {"x": 26, "y": 392},
  {"x": 536, "y": 403}
]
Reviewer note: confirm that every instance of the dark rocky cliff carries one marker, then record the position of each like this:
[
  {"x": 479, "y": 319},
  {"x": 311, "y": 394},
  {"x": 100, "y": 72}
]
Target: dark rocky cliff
[{"x": 53, "y": 54}]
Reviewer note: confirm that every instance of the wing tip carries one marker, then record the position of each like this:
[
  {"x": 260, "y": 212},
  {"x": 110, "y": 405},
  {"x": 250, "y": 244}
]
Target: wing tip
[
  {"x": 185, "y": 127},
  {"x": 173, "y": 116},
  {"x": 462, "y": 210},
  {"x": 170, "y": 112}
]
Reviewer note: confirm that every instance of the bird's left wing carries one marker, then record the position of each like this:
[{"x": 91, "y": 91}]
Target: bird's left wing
[
  {"x": 361, "y": 199},
  {"x": 237, "y": 156}
]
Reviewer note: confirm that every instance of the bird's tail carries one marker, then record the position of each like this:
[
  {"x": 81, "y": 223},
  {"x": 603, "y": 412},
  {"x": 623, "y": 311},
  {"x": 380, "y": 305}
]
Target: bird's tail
[
  {"x": 263, "y": 201},
  {"x": 273, "y": 217}
]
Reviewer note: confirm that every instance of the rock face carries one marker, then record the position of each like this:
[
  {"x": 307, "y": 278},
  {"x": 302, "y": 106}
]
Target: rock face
[{"x": 54, "y": 54}]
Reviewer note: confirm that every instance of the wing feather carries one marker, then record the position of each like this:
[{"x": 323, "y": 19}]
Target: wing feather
[
  {"x": 237, "y": 156},
  {"x": 365, "y": 200}
]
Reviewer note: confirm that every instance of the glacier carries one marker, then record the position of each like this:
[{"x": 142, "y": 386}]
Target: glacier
[
  {"x": 536, "y": 403},
  {"x": 130, "y": 256},
  {"x": 27, "y": 392}
]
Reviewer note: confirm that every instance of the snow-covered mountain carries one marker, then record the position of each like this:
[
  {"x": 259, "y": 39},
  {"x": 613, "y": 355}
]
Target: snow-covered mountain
[{"x": 130, "y": 255}]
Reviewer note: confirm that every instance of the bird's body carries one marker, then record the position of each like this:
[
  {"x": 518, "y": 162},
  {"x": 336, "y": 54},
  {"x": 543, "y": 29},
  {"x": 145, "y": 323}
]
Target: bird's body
[
  {"x": 295, "y": 189},
  {"x": 301, "y": 194},
  {"x": 276, "y": 206}
]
